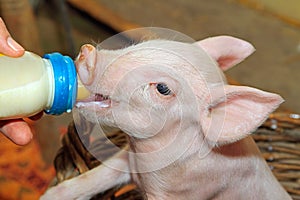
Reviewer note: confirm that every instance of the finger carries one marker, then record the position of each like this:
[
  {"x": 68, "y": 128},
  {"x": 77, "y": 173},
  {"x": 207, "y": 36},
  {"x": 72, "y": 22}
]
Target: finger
[
  {"x": 8, "y": 45},
  {"x": 17, "y": 130}
]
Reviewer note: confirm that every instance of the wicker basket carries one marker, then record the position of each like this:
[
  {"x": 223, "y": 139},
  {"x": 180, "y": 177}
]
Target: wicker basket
[{"x": 278, "y": 139}]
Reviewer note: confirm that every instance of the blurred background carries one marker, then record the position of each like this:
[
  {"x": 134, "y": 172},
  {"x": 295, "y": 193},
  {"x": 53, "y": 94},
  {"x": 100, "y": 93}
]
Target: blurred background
[{"x": 43, "y": 26}]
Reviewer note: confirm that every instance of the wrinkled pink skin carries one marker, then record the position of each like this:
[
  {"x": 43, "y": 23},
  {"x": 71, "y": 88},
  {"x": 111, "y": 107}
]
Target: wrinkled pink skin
[{"x": 219, "y": 161}]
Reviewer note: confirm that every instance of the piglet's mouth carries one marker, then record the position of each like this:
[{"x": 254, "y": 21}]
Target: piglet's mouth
[{"x": 95, "y": 100}]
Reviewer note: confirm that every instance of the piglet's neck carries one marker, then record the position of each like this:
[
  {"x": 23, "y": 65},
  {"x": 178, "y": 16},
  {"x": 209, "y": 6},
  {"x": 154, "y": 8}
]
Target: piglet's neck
[
  {"x": 168, "y": 147},
  {"x": 235, "y": 171},
  {"x": 243, "y": 173}
]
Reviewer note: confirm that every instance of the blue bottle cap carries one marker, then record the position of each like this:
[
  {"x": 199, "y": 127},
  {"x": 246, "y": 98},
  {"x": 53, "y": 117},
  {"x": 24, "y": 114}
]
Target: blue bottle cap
[{"x": 65, "y": 83}]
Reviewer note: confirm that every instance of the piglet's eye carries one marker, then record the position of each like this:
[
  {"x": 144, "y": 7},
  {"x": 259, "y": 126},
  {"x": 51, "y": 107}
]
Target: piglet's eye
[{"x": 163, "y": 89}]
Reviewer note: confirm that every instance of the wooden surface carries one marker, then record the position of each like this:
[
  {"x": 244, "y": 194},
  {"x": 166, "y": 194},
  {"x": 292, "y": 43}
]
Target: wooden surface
[{"x": 103, "y": 14}]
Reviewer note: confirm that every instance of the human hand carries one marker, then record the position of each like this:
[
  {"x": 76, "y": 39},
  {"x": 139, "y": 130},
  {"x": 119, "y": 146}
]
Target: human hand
[
  {"x": 16, "y": 130},
  {"x": 8, "y": 45}
]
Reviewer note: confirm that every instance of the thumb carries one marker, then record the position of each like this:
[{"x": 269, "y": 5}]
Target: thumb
[
  {"x": 8, "y": 46},
  {"x": 17, "y": 131}
]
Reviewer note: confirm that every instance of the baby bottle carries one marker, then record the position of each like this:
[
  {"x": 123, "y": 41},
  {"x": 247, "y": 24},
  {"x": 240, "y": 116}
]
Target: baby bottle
[{"x": 30, "y": 84}]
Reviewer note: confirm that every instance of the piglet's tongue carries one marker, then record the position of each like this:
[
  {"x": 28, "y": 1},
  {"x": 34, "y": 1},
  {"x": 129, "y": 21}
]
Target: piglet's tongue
[{"x": 96, "y": 100}]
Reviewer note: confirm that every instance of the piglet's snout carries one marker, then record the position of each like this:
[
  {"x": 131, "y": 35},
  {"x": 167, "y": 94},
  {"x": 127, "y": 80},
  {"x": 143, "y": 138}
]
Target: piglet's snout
[{"x": 86, "y": 63}]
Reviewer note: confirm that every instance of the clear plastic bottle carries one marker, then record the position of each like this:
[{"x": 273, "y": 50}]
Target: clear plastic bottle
[{"x": 30, "y": 84}]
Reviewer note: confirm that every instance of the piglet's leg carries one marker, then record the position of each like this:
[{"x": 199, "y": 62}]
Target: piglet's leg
[{"x": 97, "y": 180}]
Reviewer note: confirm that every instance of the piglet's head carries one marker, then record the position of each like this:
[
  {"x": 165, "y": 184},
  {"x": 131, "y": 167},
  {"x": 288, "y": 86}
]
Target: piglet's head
[{"x": 159, "y": 87}]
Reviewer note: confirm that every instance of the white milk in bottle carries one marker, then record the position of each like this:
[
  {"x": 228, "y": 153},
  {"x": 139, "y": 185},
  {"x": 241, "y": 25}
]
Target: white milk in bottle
[{"x": 30, "y": 84}]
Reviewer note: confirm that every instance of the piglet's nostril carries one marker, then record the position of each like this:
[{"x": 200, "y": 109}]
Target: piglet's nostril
[
  {"x": 86, "y": 49},
  {"x": 81, "y": 57},
  {"x": 85, "y": 63}
]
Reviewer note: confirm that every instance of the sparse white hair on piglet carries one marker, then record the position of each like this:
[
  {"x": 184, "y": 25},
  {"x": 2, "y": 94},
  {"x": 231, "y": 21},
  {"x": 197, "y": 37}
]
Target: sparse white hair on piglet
[{"x": 188, "y": 130}]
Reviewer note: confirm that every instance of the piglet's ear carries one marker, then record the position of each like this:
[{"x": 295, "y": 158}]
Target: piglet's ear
[
  {"x": 226, "y": 51},
  {"x": 233, "y": 112}
]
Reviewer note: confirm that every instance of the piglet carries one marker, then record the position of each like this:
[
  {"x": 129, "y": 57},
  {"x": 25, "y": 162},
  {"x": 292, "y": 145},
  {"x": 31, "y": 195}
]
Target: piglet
[{"x": 188, "y": 130}]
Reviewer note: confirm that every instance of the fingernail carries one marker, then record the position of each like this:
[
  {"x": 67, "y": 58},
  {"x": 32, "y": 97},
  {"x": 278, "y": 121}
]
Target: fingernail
[{"x": 14, "y": 45}]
